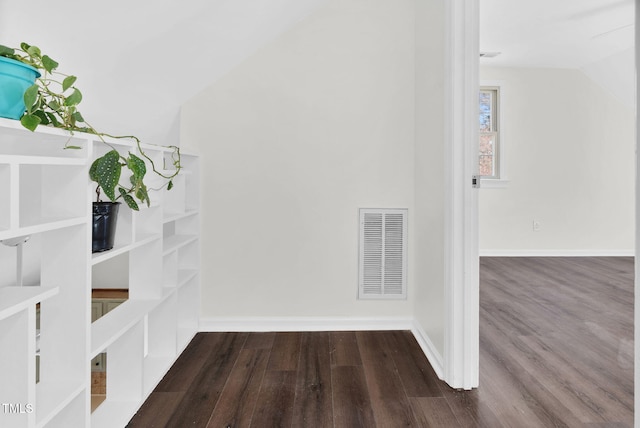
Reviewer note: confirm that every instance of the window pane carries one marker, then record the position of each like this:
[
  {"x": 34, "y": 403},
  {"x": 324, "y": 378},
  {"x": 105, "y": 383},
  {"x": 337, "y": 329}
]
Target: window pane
[
  {"x": 487, "y": 151},
  {"x": 486, "y": 107},
  {"x": 489, "y": 164}
]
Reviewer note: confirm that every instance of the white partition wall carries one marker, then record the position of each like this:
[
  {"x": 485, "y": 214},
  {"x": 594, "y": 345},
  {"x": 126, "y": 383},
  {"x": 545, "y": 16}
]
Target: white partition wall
[{"x": 47, "y": 337}]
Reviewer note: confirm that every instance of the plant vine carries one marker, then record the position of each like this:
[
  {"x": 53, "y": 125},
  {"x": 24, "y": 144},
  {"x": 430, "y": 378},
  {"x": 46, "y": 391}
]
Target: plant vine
[{"x": 53, "y": 101}]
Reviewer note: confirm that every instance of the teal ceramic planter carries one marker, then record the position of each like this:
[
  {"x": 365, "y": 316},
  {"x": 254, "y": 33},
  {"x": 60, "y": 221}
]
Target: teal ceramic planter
[{"x": 15, "y": 78}]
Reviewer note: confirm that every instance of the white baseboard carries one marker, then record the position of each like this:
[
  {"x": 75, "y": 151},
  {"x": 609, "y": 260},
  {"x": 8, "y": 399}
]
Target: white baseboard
[
  {"x": 430, "y": 351},
  {"x": 557, "y": 253},
  {"x": 264, "y": 324}
]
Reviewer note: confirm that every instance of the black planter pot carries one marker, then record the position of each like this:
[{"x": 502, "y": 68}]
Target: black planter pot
[{"x": 105, "y": 217}]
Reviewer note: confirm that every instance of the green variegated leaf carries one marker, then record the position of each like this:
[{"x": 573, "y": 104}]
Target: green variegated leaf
[
  {"x": 6, "y": 51},
  {"x": 49, "y": 64},
  {"x": 71, "y": 118},
  {"x": 32, "y": 50},
  {"x": 131, "y": 203},
  {"x": 137, "y": 166},
  {"x": 142, "y": 194},
  {"x": 78, "y": 117},
  {"x": 107, "y": 173},
  {"x": 53, "y": 119},
  {"x": 73, "y": 99},
  {"x": 30, "y": 96},
  {"x": 30, "y": 121},
  {"x": 128, "y": 199},
  {"x": 44, "y": 120},
  {"x": 54, "y": 105},
  {"x": 93, "y": 170},
  {"x": 68, "y": 82}
]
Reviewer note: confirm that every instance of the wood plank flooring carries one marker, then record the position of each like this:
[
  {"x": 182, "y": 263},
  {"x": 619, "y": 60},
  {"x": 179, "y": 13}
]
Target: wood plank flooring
[{"x": 556, "y": 350}]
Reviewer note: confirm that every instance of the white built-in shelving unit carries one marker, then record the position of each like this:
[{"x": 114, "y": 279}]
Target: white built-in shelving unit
[{"x": 46, "y": 194}]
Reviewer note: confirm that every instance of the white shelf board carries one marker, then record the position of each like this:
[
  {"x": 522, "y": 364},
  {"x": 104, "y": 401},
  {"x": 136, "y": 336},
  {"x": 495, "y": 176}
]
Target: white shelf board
[
  {"x": 122, "y": 142},
  {"x": 108, "y": 328},
  {"x": 16, "y": 125},
  {"x": 185, "y": 335},
  {"x": 143, "y": 206},
  {"x": 188, "y": 152},
  {"x": 113, "y": 413},
  {"x": 154, "y": 147},
  {"x": 44, "y": 226},
  {"x": 41, "y": 160},
  {"x": 185, "y": 275},
  {"x": 166, "y": 292},
  {"x": 121, "y": 249},
  {"x": 14, "y": 299},
  {"x": 52, "y": 397},
  {"x": 155, "y": 367},
  {"x": 172, "y": 243},
  {"x": 170, "y": 216},
  {"x": 183, "y": 171}
]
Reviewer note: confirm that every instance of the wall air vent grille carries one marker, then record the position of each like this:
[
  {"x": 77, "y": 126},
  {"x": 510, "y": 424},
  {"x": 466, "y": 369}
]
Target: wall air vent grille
[{"x": 383, "y": 254}]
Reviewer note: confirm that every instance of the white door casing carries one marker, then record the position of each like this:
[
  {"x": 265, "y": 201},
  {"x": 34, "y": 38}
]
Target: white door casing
[{"x": 461, "y": 335}]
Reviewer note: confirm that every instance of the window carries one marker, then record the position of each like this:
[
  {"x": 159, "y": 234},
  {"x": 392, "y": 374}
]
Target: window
[{"x": 489, "y": 162}]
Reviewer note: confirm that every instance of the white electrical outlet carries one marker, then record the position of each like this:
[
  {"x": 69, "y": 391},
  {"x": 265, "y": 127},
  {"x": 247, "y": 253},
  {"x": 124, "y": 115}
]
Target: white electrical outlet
[{"x": 536, "y": 226}]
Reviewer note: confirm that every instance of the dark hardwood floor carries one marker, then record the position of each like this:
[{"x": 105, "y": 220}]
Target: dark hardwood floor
[{"x": 556, "y": 350}]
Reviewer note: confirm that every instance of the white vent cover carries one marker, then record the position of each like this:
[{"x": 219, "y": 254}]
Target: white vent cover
[{"x": 383, "y": 254}]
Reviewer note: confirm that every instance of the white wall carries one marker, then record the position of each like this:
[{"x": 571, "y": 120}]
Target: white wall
[
  {"x": 616, "y": 74},
  {"x": 428, "y": 221},
  {"x": 138, "y": 62},
  {"x": 295, "y": 140},
  {"x": 570, "y": 159}
]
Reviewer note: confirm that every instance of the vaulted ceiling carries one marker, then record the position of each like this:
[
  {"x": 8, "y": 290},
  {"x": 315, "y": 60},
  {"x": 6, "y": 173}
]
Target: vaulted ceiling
[
  {"x": 143, "y": 60},
  {"x": 596, "y": 36},
  {"x": 137, "y": 62}
]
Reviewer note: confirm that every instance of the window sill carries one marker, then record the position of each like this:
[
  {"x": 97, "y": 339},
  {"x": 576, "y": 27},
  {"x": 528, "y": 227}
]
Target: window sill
[{"x": 493, "y": 183}]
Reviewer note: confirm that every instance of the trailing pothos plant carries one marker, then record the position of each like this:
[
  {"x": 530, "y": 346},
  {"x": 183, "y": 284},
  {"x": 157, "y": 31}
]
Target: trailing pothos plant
[{"x": 53, "y": 101}]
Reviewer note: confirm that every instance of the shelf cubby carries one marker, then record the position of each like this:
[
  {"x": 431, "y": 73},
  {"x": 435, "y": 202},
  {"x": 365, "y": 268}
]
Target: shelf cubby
[
  {"x": 188, "y": 256},
  {"x": 147, "y": 221},
  {"x": 174, "y": 200},
  {"x": 161, "y": 341},
  {"x": 170, "y": 270},
  {"x": 62, "y": 369},
  {"x": 186, "y": 276},
  {"x": 125, "y": 355},
  {"x": 147, "y": 276},
  {"x": 53, "y": 398},
  {"x": 73, "y": 414},
  {"x": 175, "y": 242},
  {"x": 187, "y": 317},
  {"x": 48, "y": 193},
  {"x": 18, "y": 339},
  {"x": 111, "y": 272},
  {"x": 17, "y": 332},
  {"x": 5, "y": 195},
  {"x": 192, "y": 181}
]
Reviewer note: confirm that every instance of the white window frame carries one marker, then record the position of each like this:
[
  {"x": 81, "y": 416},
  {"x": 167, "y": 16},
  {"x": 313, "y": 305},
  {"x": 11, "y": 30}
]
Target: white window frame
[{"x": 501, "y": 180}]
